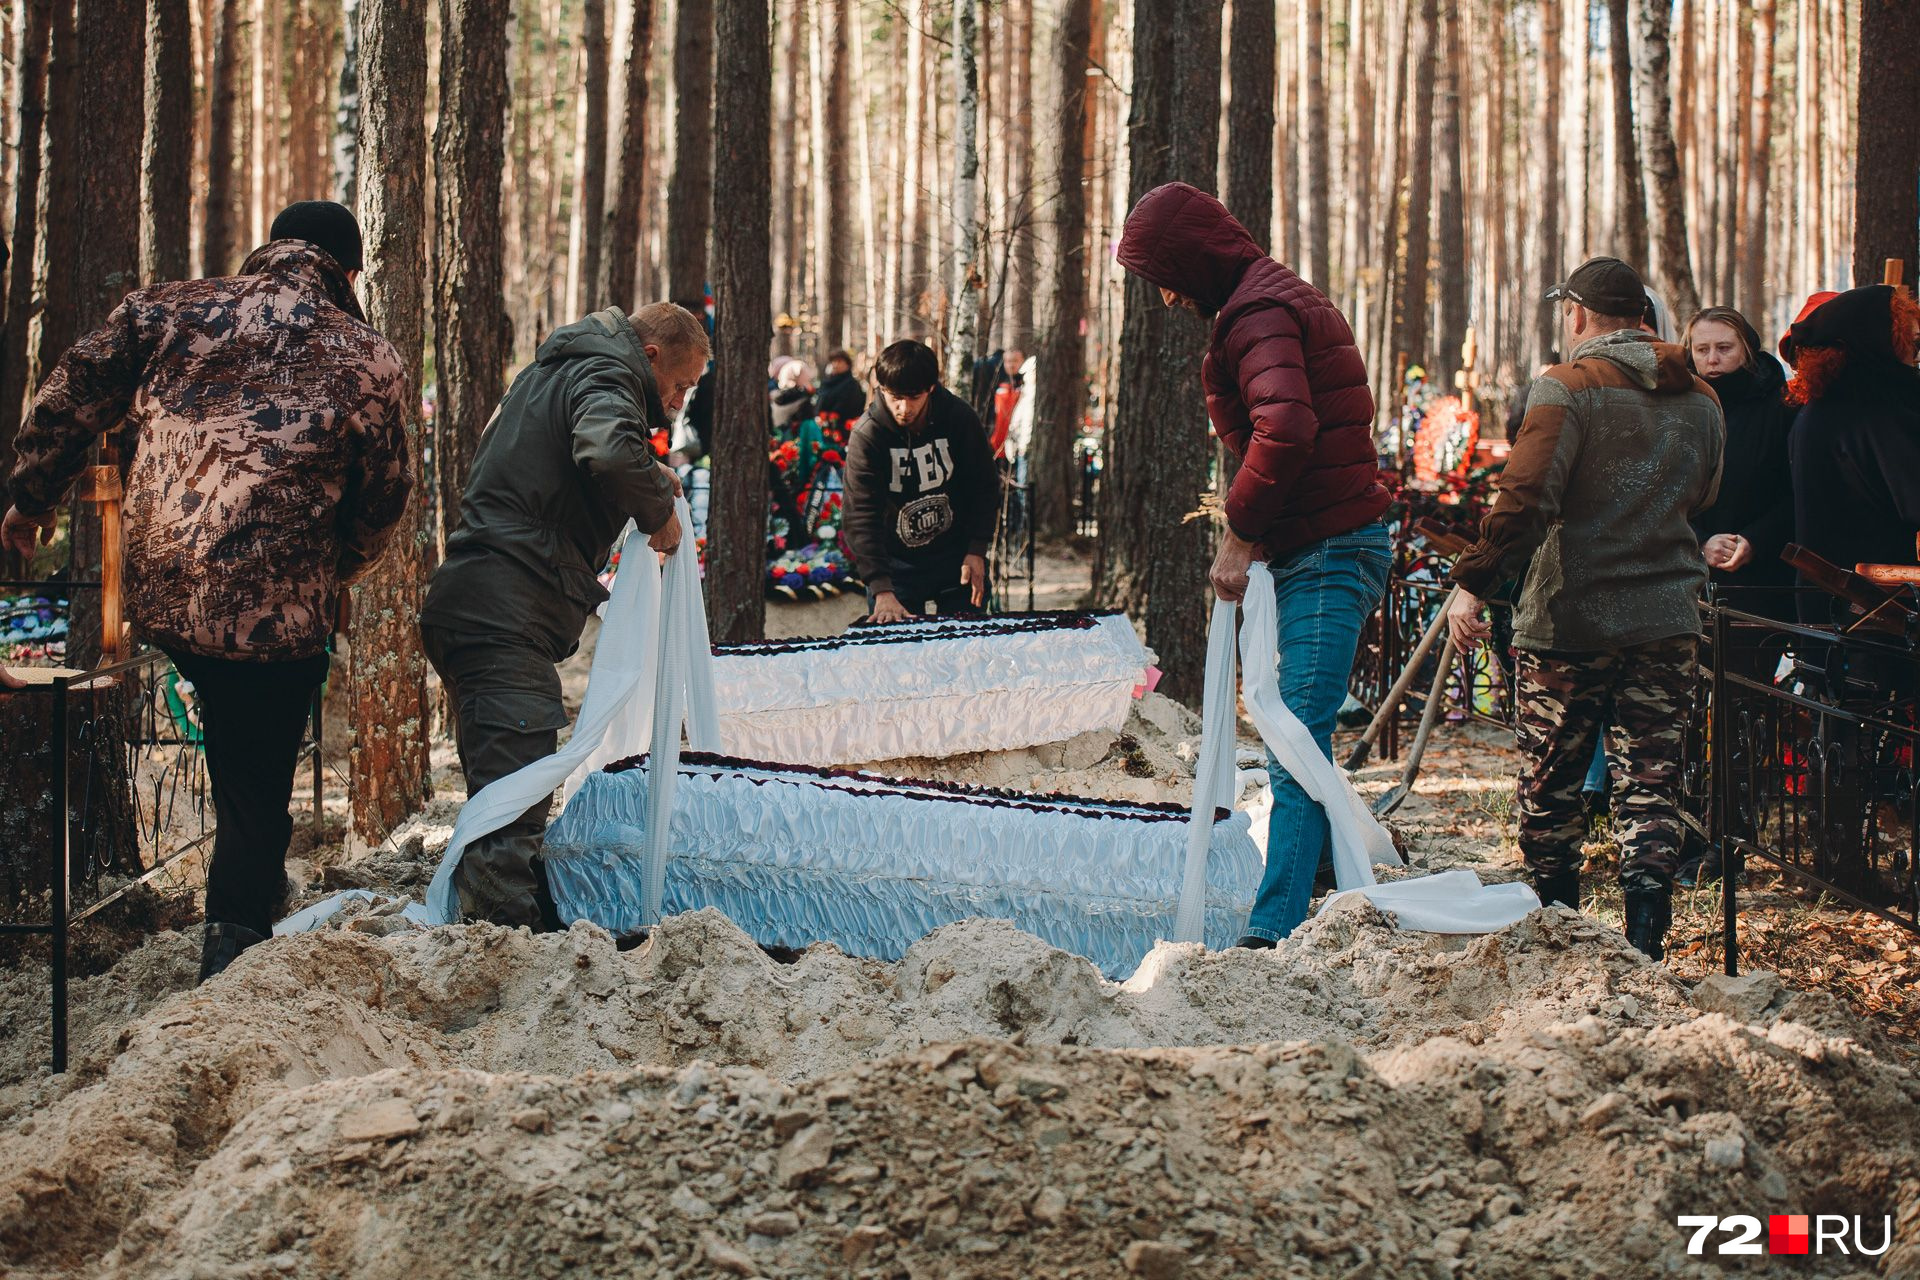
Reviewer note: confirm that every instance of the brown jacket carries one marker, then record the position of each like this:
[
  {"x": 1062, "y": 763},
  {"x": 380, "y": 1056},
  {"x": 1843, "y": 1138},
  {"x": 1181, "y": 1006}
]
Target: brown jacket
[
  {"x": 267, "y": 426},
  {"x": 1621, "y": 446}
]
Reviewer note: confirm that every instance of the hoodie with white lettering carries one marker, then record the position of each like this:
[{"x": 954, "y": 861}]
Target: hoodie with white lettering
[{"x": 920, "y": 499}]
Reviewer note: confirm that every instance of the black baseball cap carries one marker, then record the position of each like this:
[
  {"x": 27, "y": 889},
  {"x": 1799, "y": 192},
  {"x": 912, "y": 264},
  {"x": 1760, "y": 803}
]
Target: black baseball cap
[{"x": 1606, "y": 285}]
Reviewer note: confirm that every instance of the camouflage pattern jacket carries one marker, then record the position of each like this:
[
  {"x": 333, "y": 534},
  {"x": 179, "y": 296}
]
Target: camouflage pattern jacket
[{"x": 270, "y": 460}]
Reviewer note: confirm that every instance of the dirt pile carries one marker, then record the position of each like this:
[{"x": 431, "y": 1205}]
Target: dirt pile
[{"x": 344, "y": 1103}]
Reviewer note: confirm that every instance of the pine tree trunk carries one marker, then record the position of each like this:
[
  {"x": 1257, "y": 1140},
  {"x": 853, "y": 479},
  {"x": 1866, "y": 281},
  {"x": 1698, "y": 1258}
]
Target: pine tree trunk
[
  {"x": 346, "y": 115},
  {"x": 1755, "y": 233},
  {"x": 743, "y": 310},
  {"x": 1887, "y": 170},
  {"x": 915, "y": 282},
  {"x": 1026, "y": 268},
  {"x": 590, "y": 160},
  {"x": 1152, "y": 560},
  {"x": 1063, "y": 374},
  {"x": 388, "y": 772},
  {"x": 1319, "y": 171},
  {"x": 166, "y": 170},
  {"x": 59, "y": 193},
  {"x": 218, "y": 247},
  {"x": 104, "y": 263},
  {"x": 1675, "y": 273},
  {"x": 1546, "y": 162},
  {"x": 1418, "y": 246},
  {"x": 837, "y": 230},
  {"x": 1630, "y": 189},
  {"x": 786, "y": 25},
  {"x": 623, "y": 221},
  {"x": 31, "y": 94},
  {"x": 1250, "y": 119},
  {"x": 690, "y": 199},
  {"x": 1455, "y": 302},
  {"x": 963, "y": 318},
  {"x": 470, "y": 330}
]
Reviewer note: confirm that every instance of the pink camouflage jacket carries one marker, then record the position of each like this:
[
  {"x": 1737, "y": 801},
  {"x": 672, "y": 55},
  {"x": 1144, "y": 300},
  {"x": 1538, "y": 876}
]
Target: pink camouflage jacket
[{"x": 270, "y": 463}]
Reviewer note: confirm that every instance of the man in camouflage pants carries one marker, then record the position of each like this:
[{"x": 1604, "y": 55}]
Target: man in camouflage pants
[
  {"x": 267, "y": 425},
  {"x": 1620, "y": 447}
]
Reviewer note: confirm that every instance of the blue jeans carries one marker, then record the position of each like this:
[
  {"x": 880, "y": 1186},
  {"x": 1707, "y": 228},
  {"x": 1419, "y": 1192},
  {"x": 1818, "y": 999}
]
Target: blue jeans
[
  {"x": 1325, "y": 592},
  {"x": 1596, "y": 782}
]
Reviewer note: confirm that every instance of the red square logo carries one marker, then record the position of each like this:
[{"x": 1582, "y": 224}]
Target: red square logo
[{"x": 1787, "y": 1233}]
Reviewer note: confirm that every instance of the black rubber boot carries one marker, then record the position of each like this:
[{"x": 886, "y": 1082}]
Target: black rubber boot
[
  {"x": 1253, "y": 942},
  {"x": 1649, "y": 912},
  {"x": 222, "y": 945},
  {"x": 1561, "y": 886}
]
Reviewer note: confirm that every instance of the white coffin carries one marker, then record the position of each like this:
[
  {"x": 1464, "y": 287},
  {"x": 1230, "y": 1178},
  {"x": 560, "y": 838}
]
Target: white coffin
[
  {"x": 943, "y": 687},
  {"x": 871, "y": 864}
]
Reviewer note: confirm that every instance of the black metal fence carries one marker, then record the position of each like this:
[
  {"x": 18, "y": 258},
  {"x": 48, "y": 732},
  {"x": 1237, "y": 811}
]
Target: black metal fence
[
  {"x": 113, "y": 796},
  {"x": 1810, "y": 747}
]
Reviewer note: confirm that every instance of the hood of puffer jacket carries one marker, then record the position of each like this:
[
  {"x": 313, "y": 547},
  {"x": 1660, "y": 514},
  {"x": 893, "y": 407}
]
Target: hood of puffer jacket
[
  {"x": 1658, "y": 366},
  {"x": 308, "y": 263},
  {"x": 1180, "y": 238}
]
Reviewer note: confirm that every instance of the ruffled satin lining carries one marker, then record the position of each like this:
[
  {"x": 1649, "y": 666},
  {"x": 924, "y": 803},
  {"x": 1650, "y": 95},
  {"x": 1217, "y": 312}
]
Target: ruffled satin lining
[{"x": 872, "y": 866}]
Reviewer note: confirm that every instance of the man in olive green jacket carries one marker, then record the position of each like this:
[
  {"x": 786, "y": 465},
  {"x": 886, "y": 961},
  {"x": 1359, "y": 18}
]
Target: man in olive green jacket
[{"x": 567, "y": 460}]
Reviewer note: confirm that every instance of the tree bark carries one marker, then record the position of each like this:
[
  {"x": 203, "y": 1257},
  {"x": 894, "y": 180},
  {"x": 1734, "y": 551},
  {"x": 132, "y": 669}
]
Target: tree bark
[
  {"x": 1757, "y": 168},
  {"x": 1250, "y": 119},
  {"x": 1452, "y": 208},
  {"x": 915, "y": 282},
  {"x": 1063, "y": 379},
  {"x": 1675, "y": 272},
  {"x": 1630, "y": 189},
  {"x": 219, "y": 235},
  {"x": 346, "y": 114},
  {"x": 690, "y": 199},
  {"x": 31, "y": 94},
  {"x": 166, "y": 171},
  {"x": 837, "y": 230},
  {"x": 388, "y": 771},
  {"x": 470, "y": 330},
  {"x": 1025, "y": 260},
  {"x": 1319, "y": 171},
  {"x": 1152, "y": 559},
  {"x": 1886, "y": 209},
  {"x": 963, "y": 317},
  {"x": 60, "y": 192},
  {"x": 590, "y": 159},
  {"x": 623, "y": 220},
  {"x": 786, "y": 28},
  {"x": 1546, "y": 166},
  {"x": 743, "y": 296},
  {"x": 1418, "y": 245}
]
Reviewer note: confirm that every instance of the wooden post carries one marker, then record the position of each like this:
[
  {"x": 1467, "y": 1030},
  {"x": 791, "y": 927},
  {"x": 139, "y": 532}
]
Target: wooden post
[
  {"x": 101, "y": 486},
  {"x": 1894, "y": 273}
]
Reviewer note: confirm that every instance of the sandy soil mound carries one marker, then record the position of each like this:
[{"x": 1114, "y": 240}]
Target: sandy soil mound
[{"x": 1508, "y": 1089}]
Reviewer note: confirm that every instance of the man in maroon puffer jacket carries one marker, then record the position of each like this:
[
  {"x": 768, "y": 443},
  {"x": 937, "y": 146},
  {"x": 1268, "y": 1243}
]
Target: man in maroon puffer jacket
[{"x": 1287, "y": 392}]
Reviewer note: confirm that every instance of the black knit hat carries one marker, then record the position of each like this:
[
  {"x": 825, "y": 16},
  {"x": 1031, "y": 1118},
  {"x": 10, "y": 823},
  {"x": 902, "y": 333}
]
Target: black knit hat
[
  {"x": 1604, "y": 285},
  {"x": 324, "y": 223}
]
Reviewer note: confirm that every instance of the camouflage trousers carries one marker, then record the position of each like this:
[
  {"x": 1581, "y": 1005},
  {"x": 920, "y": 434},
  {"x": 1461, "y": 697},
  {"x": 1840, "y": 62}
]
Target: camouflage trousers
[{"x": 1561, "y": 702}]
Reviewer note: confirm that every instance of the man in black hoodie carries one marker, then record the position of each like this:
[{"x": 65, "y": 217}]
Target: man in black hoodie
[
  {"x": 921, "y": 492},
  {"x": 567, "y": 460}
]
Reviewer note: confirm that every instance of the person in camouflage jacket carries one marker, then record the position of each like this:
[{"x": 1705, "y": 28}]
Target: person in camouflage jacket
[{"x": 266, "y": 424}]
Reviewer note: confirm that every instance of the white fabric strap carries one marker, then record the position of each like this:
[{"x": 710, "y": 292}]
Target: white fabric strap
[
  {"x": 616, "y": 716},
  {"x": 1451, "y": 902}
]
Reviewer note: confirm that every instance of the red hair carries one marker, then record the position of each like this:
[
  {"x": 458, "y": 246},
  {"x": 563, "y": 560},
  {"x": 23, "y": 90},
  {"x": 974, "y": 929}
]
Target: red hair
[{"x": 1816, "y": 368}]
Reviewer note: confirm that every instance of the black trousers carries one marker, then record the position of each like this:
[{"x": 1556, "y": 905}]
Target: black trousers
[
  {"x": 252, "y": 716},
  {"x": 506, "y": 704},
  {"x": 939, "y": 586}
]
